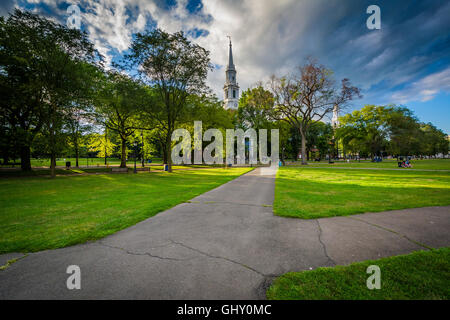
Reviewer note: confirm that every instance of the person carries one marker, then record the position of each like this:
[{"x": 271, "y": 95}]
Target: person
[{"x": 408, "y": 164}]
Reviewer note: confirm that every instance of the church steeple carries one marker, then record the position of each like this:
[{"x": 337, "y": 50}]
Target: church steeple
[
  {"x": 231, "y": 87},
  {"x": 230, "y": 58},
  {"x": 335, "y": 119}
]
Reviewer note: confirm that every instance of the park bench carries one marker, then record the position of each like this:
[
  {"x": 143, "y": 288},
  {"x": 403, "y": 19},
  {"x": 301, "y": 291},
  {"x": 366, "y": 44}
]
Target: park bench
[
  {"x": 115, "y": 169},
  {"x": 143, "y": 169}
]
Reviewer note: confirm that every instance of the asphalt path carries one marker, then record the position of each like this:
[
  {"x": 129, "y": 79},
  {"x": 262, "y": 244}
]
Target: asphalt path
[{"x": 224, "y": 244}]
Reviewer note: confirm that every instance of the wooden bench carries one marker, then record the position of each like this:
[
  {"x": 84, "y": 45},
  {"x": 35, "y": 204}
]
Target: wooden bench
[
  {"x": 116, "y": 169},
  {"x": 143, "y": 169}
]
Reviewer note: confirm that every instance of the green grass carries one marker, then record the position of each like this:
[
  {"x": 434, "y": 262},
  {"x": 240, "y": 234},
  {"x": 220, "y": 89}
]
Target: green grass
[
  {"x": 41, "y": 213},
  {"x": 46, "y": 172},
  {"x": 59, "y": 171},
  {"x": 308, "y": 193},
  {"x": 81, "y": 161},
  {"x": 427, "y": 164},
  {"x": 420, "y": 275}
]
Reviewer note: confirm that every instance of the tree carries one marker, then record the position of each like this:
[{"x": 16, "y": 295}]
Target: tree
[
  {"x": 433, "y": 140},
  {"x": 308, "y": 96},
  {"x": 117, "y": 104},
  {"x": 101, "y": 144},
  {"x": 77, "y": 126},
  {"x": 176, "y": 69},
  {"x": 252, "y": 106},
  {"x": 44, "y": 68},
  {"x": 404, "y": 134},
  {"x": 394, "y": 129},
  {"x": 19, "y": 88},
  {"x": 318, "y": 137},
  {"x": 365, "y": 131}
]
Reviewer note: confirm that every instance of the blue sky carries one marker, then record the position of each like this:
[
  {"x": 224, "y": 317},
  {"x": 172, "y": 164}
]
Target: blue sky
[{"x": 406, "y": 62}]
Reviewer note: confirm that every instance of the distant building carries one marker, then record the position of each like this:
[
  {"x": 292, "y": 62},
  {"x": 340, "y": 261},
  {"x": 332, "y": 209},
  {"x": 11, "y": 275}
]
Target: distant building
[{"x": 231, "y": 87}]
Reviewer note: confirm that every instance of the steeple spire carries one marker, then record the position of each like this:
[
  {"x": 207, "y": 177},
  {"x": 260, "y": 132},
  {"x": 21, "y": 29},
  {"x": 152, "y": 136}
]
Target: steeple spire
[
  {"x": 230, "y": 57},
  {"x": 231, "y": 87}
]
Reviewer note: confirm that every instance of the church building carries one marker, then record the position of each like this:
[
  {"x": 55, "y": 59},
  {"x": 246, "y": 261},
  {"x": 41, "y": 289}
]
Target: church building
[{"x": 231, "y": 87}]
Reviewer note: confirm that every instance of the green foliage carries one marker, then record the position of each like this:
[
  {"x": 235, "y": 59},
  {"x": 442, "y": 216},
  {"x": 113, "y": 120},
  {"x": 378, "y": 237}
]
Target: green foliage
[
  {"x": 306, "y": 97},
  {"x": 46, "y": 68},
  {"x": 252, "y": 105},
  {"x": 432, "y": 140},
  {"x": 374, "y": 130},
  {"x": 176, "y": 69},
  {"x": 101, "y": 144},
  {"x": 117, "y": 104}
]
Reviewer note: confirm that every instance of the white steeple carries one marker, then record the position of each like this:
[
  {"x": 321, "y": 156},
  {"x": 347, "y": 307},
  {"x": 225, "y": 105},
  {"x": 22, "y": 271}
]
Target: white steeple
[
  {"x": 231, "y": 87},
  {"x": 335, "y": 119}
]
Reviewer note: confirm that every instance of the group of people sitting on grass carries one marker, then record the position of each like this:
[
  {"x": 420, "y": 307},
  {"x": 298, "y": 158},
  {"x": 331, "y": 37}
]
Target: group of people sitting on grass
[{"x": 404, "y": 163}]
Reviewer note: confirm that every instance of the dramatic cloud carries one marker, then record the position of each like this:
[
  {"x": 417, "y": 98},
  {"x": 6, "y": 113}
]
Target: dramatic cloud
[
  {"x": 408, "y": 59},
  {"x": 425, "y": 89}
]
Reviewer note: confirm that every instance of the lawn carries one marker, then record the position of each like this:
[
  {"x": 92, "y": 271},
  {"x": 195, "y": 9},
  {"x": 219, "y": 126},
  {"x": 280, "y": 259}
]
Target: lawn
[
  {"x": 420, "y": 275},
  {"x": 46, "y": 172},
  {"x": 10, "y": 172},
  {"x": 427, "y": 164},
  {"x": 304, "y": 192},
  {"x": 38, "y": 213},
  {"x": 81, "y": 161}
]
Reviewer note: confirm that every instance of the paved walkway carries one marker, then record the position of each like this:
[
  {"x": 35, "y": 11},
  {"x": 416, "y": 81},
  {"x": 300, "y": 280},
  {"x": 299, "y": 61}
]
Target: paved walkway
[{"x": 225, "y": 244}]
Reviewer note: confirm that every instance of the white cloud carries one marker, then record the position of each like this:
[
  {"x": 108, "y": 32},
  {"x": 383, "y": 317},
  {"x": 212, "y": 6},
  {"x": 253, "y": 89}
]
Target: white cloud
[
  {"x": 273, "y": 37},
  {"x": 264, "y": 33},
  {"x": 424, "y": 89}
]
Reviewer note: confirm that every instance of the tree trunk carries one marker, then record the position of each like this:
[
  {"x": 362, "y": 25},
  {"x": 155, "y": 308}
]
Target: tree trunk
[
  {"x": 164, "y": 153},
  {"x": 53, "y": 164},
  {"x": 106, "y": 143},
  {"x": 168, "y": 152},
  {"x": 303, "y": 147},
  {"x": 77, "y": 154},
  {"x": 142, "y": 151},
  {"x": 123, "y": 159},
  {"x": 25, "y": 161}
]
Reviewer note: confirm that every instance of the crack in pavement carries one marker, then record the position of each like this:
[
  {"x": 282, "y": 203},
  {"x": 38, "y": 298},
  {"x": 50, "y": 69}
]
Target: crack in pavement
[
  {"x": 11, "y": 261},
  {"x": 226, "y": 259},
  {"x": 323, "y": 244},
  {"x": 260, "y": 290},
  {"x": 144, "y": 253},
  {"x": 394, "y": 232}
]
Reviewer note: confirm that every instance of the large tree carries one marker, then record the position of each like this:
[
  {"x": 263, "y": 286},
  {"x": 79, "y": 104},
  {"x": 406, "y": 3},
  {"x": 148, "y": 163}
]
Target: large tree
[
  {"x": 391, "y": 129},
  {"x": 117, "y": 104},
  {"x": 404, "y": 136},
  {"x": 365, "y": 131},
  {"x": 307, "y": 96},
  {"x": 175, "y": 68},
  {"x": 433, "y": 140},
  {"x": 252, "y": 106},
  {"x": 42, "y": 74}
]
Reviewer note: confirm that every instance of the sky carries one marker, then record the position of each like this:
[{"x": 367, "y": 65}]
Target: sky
[{"x": 405, "y": 62}]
